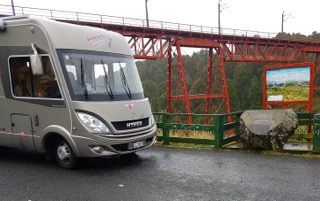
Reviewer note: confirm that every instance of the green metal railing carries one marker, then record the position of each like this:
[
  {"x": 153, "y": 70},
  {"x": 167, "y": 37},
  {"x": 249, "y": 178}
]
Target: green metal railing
[
  {"x": 224, "y": 128},
  {"x": 305, "y": 120},
  {"x": 316, "y": 134}
]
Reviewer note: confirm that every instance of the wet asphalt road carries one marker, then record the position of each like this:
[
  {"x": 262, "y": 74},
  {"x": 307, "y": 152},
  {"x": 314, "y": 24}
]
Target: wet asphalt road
[{"x": 162, "y": 174}]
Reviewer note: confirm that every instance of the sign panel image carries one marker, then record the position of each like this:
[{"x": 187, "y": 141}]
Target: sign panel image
[{"x": 288, "y": 84}]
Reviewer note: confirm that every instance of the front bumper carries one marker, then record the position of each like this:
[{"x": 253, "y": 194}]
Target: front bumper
[{"x": 106, "y": 145}]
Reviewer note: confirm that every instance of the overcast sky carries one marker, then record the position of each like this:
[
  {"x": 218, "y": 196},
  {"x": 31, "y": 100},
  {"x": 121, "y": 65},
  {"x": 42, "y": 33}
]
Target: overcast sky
[{"x": 254, "y": 15}]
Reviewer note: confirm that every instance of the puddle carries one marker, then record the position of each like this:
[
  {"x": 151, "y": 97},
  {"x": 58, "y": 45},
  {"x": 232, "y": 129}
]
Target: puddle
[
  {"x": 298, "y": 146},
  {"x": 289, "y": 146}
]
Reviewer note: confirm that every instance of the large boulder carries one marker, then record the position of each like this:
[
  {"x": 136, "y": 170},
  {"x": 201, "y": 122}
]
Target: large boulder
[{"x": 267, "y": 129}]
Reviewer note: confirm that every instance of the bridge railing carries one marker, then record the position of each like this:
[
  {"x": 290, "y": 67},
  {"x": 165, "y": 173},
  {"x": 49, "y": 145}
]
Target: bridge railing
[
  {"x": 218, "y": 133},
  {"x": 6, "y": 10},
  {"x": 221, "y": 130}
]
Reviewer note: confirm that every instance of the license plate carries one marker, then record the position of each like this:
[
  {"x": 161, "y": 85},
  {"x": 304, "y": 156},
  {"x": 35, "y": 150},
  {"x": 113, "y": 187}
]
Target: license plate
[{"x": 136, "y": 145}]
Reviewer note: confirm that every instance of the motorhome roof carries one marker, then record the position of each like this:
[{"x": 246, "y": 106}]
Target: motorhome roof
[{"x": 69, "y": 36}]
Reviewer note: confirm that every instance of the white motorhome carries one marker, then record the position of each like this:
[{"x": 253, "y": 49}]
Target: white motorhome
[{"x": 70, "y": 91}]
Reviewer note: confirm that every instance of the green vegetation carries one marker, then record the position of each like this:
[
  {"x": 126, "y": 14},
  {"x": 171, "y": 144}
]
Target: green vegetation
[
  {"x": 244, "y": 81},
  {"x": 282, "y": 153},
  {"x": 291, "y": 92}
]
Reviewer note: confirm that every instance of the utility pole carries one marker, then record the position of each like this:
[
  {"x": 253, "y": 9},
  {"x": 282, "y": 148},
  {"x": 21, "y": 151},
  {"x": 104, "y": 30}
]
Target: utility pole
[
  {"x": 220, "y": 9},
  {"x": 284, "y": 18},
  {"x": 147, "y": 17},
  {"x": 12, "y": 5}
]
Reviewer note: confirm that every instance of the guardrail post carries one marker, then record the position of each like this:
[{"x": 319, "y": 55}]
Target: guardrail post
[
  {"x": 316, "y": 134},
  {"x": 165, "y": 130},
  {"x": 218, "y": 135},
  {"x": 237, "y": 119}
]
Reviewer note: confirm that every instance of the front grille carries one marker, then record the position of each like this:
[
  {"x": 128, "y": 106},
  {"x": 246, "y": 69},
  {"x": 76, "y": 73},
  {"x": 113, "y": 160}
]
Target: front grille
[
  {"x": 125, "y": 125},
  {"x": 128, "y": 134}
]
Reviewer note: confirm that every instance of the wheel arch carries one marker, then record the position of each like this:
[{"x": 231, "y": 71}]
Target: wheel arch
[{"x": 51, "y": 134}]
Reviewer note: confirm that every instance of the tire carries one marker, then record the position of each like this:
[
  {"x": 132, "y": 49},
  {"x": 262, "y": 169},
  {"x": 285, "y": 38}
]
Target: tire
[{"x": 64, "y": 155}]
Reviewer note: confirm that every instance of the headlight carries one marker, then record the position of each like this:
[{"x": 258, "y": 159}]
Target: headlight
[
  {"x": 93, "y": 123},
  {"x": 152, "y": 121}
]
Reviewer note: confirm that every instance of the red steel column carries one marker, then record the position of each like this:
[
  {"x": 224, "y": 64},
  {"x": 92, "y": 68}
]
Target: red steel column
[
  {"x": 183, "y": 83},
  {"x": 224, "y": 80},
  {"x": 316, "y": 86},
  {"x": 209, "y": 84},
  {"x": 169, "y": 95}
]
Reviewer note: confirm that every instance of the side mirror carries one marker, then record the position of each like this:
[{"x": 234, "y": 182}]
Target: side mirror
[{"x": 36, "y": 64}]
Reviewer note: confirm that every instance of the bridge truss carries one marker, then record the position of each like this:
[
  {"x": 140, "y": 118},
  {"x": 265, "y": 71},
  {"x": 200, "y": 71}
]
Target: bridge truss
[{"x": 165, "y": 40}]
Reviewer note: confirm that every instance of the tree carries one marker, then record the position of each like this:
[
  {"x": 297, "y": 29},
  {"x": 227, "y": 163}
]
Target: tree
[{"x": 255, "y": 93}]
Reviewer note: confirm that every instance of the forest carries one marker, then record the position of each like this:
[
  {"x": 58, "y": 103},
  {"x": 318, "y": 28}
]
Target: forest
[{"x": 244, "y": 79}]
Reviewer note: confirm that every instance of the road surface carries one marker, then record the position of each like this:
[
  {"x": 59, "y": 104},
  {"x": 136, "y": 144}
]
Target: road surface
[{"x": 161, "y": 173}]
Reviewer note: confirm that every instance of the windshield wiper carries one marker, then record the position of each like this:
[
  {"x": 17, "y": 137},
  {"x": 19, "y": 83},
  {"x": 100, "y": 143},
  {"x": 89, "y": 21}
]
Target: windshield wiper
[
  {"x": 106, "y": 83},
  {"x": 124, "y": 82},
  {"x": 84, "y": 87}
]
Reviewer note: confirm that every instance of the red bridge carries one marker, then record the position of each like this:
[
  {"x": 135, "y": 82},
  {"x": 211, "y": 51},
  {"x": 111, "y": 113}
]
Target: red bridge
[{"x": 165, "y": 40}]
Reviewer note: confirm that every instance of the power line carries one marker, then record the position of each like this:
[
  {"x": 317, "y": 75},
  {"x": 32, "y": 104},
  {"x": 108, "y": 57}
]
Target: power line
[
  {"x": 221, "y": 7},
  {"x": 284, "y": 18}
]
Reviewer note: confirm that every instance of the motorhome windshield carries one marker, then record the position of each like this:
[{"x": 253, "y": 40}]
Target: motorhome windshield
[{"x": 96, "y": 76}]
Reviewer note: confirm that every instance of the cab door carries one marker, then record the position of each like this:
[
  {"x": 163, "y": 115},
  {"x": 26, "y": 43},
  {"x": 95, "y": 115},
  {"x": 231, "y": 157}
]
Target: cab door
[{"x": 22, "y": 131}]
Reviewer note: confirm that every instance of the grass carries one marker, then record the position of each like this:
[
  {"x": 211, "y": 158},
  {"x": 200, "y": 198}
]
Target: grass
[
  {"x": 193, "y": 134},
  {"x": 282, "y": 153},
  {"x": 291, "y": 92}
]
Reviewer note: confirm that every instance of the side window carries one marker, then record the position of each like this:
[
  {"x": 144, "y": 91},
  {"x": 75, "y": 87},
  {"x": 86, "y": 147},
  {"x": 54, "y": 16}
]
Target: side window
[{"x": 25, "y": 84}]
